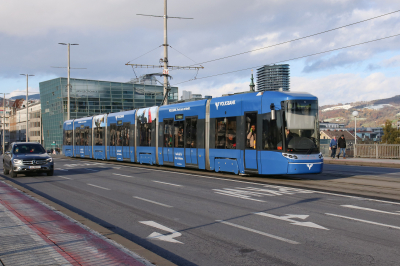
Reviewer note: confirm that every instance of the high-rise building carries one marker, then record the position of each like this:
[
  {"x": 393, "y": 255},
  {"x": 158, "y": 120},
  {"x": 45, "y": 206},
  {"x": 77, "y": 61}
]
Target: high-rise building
[
  {"x": 186, "y": 95},
  {"x": 273, "y": 78}
]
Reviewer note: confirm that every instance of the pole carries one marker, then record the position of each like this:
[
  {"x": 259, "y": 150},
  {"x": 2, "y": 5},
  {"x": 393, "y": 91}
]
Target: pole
[
  {"x": 4, "y": 119},
  {"x": 68, "y": 85},
  {"x": 355, "y": 136},
  {"x": 27, "y": 103},
  {"x": 165, "y": 54}
]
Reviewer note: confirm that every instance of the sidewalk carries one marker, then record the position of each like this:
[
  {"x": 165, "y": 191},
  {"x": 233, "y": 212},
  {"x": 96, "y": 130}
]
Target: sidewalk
[
  {"x": 33, "y": 234},
  {"x": 391, "y": 163}
]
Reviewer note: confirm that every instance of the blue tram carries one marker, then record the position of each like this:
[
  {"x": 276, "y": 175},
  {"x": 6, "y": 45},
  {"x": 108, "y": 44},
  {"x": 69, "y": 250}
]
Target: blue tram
[{"x": 265, "y": 133}]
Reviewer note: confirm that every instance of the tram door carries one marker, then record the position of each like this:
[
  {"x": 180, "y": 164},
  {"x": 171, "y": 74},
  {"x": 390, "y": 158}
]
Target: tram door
[
  {"x": 250, "y": 152},
  {"x": 126, "y": 139},
  {"x": 168, "y": 143},
  {"x": 191, "y": 140},
  {"x": 77, "y": 141},
  {"x": 113, "y": 141}
]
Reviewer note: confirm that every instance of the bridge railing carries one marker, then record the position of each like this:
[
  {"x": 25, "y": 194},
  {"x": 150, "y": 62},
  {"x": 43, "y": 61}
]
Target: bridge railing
[{"x": 382, "y": 151}]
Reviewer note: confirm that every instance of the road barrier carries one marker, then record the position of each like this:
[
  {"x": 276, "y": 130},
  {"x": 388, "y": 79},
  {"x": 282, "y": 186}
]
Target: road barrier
[{"x": 378, "y": 151}]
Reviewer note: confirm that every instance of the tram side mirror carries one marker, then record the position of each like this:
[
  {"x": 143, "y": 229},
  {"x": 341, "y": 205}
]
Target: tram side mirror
[{"x": 273, "y": 114}]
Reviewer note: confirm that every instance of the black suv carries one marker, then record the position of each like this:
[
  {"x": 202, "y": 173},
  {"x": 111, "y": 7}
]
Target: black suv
[{"x": 27, "y": 157}]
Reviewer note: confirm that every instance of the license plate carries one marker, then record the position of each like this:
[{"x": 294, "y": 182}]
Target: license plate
[{"x": 34, "y": 167}]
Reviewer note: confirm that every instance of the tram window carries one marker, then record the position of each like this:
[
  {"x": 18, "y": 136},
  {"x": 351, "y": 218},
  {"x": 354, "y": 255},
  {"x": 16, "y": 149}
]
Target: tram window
[
  {"x": 68, "y": 137},
  {"x": 144, "y": 134},
  {"x": 191, "y": 132},
  {"x": 168, "y": 139},
  {"x": 82, "y": 138},
  {"x": 251, "y": 128},
  {"x": 179, "y": 134},
  {"x": 77, "y": 136},
  {"x": 126, "y": 135},
  {"x": 272, "y": 132},
  {"x": 98, "y": 136},
  {"x": 112, "y": 134},
  {"x": 225, "y": 136},
  {"x": 119, "y": 135}
]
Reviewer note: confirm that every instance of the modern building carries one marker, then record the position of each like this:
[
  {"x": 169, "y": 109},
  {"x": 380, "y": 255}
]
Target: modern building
[
  {"x": 197, "y": 96},
  {"x": 91, "y": 97},
  {"x": 207, "y": 97},
  {"x": 273, "y": 78},
  {"x": 186, "y": 95},
  {"x": 18, "y": 123},
  {"x": 368, "y": 133}
]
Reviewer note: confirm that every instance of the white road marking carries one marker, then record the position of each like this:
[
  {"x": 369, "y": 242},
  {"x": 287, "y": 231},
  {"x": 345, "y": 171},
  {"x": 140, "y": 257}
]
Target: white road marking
[
  {"x": 289, "y": 218},
  {"x": 265, "y": 185},
  {"x": 167, "y": 183},
  {"x": 368, "y": 209},
  {"x": 163, "y": 237},
  {"x": 155, "y": 202},
  {"x": 239, "y": 196},
  {"x": 65, "y": 177},
  {"x": 98, "y": 186},
  {"x": 62, "y": 170},
  {"x": 117, "y": 167},
  {"x": 363, "y": 221},
  {"x": 123, "y": 175},
  {"x": 259, "y": 232}
]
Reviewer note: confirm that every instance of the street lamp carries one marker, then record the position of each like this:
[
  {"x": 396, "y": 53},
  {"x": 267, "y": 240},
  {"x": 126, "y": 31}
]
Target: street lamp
[
  {"x": 4, "y": 119},
  {"x": 68, "y": 83},
  {"x": 355, "y": 114},
  {"x": 27, "y": 75}
]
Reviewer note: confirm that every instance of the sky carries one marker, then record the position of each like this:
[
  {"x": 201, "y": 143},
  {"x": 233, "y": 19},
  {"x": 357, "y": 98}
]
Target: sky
[{"x": 110, "y": 34}]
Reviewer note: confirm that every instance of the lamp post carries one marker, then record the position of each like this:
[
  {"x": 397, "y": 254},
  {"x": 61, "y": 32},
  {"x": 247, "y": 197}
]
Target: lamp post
[
  {"x": 4, "y": 123},
  {"x": 27, "y": 75},
  {"x": 355, "y": 114},
  {"x": 68, "y": 82}
]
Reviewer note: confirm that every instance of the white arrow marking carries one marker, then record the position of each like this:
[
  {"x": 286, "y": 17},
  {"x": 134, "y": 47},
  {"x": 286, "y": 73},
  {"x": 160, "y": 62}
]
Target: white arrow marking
[
  {"x": 289, "y": 217},
  {"x": 158, "y": 236}
]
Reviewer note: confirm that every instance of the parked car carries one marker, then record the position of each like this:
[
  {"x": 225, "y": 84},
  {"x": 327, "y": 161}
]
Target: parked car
[{"x": 27, "y": 157}]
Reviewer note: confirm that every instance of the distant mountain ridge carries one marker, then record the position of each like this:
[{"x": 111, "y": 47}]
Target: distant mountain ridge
[
  {"x": 30, "y": 97},
  {"x": 371, "y": 113}
]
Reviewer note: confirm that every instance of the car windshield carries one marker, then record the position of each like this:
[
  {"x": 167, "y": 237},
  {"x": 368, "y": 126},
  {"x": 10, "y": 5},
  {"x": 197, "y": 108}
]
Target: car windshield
[{"x": 28, "y": 149}]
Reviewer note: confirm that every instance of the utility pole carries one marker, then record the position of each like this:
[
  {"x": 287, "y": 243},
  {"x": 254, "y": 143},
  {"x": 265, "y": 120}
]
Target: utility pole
[
  {"x": 4, "y": 119},
  {"x": 27, "y": 109},
  {"x": 165, "y": 66},
  {"x": 68, "y": 80}
]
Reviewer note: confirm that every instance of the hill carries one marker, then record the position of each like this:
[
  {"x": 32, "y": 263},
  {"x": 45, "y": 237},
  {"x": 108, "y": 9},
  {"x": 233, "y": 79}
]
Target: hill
[{"x": 371, "y": 114}]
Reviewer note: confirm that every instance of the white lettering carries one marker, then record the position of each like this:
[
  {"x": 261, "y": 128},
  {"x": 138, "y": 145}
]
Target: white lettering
[
  {"x": 120, "y": 116},
  {"x": 179, "y": 109},
  {"x": 217, "y": 104}
]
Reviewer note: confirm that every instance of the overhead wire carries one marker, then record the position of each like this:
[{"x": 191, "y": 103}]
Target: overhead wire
[
  {"x": 297, "y": 39},
  {"x": 145, "y": 53},
  {"x": 291, "y": 59}
]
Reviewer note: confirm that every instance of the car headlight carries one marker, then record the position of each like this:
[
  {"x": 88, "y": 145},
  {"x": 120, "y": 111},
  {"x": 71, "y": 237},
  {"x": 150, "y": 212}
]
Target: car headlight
[
  {"x": 17, "y": 161},
  {"x": 49, "y": 160}
]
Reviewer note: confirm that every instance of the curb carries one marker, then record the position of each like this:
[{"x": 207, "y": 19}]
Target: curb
[{"x": 370, "y": 164}]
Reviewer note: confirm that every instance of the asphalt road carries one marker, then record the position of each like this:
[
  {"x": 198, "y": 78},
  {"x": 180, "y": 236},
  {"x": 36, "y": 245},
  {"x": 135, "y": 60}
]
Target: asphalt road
[{"x": 192, "y": 219}]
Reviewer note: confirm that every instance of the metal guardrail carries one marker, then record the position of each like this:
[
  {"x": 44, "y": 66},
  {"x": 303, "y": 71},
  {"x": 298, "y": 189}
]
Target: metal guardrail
[{"x": 378, "y": 151}]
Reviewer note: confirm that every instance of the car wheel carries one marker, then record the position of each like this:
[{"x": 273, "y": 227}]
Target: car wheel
[
  {"x": 50, "y": 173},
  {"x": 12, "y": 173},
  {"x": 5, "y": 171}
]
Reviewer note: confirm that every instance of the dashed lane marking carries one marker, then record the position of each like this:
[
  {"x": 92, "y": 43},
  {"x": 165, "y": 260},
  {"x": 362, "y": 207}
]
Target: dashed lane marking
[
  {"x": 99, "y": 187},
  {"x": 368, "y": 209},
  {"x": 61, "y": 170},
  {"x": 65, "y": 177},
  {"x": 167, "y": 183},
  {"x": 154, "y": 202},
  {"x": 123, "y": 175},
  {"x": 259, "y": 232},
  {"x": 363, "y": 221}
]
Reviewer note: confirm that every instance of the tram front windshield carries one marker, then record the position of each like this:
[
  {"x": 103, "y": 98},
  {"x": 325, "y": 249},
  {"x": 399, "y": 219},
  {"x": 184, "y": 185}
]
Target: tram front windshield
[{"x": 301, "y": 127}]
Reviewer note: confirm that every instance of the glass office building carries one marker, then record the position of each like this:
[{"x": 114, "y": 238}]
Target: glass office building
[{"x": 92, "y": 97}]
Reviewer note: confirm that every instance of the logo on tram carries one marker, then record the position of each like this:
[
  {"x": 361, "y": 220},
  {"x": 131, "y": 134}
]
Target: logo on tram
[{"x": 217, "y": 104}]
